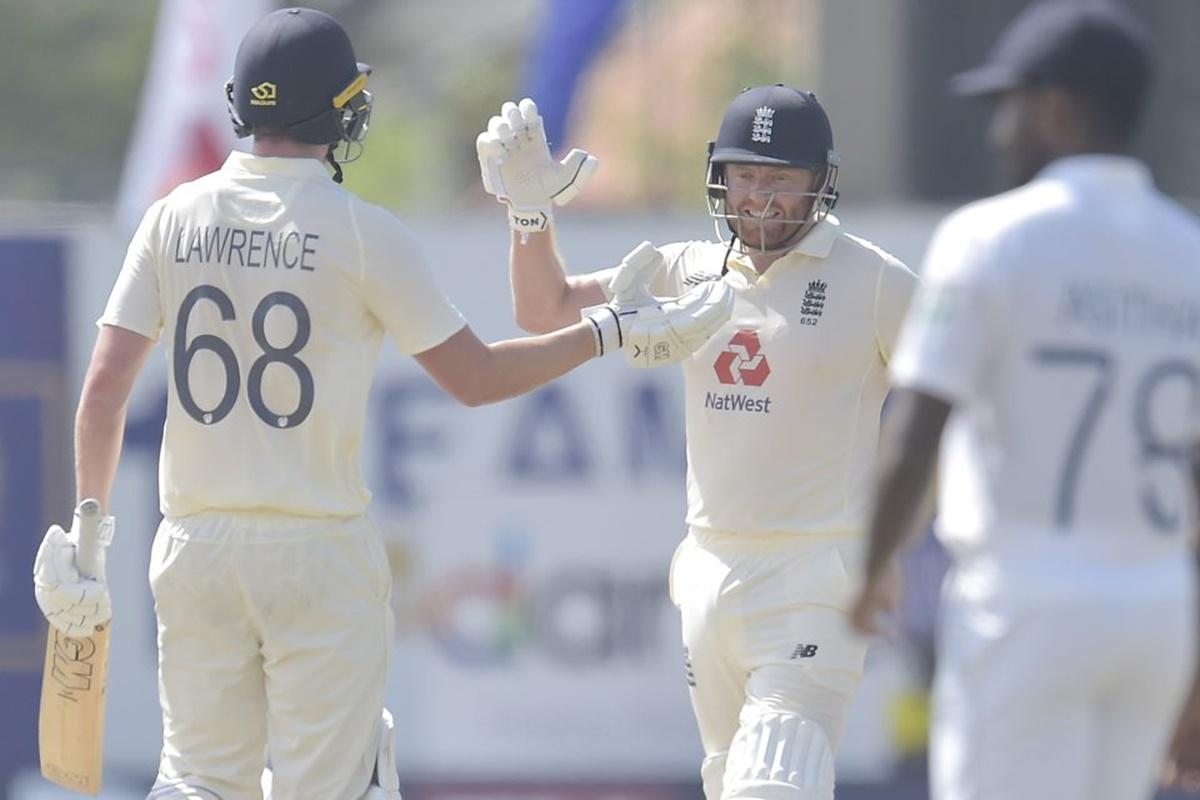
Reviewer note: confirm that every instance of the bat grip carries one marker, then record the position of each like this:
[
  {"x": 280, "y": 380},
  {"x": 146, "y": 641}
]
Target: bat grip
[{"x": 87, "y": 549}]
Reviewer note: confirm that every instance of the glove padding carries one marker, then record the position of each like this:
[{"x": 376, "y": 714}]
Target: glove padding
[
  {"x": 517, "y": 169},
  {"x": 652, "y": 331},
  {"x": 71, "y": 602}
]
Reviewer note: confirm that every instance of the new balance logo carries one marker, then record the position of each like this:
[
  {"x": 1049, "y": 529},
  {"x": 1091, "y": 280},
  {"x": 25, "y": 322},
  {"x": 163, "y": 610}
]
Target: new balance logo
[
  {"x": 813, "y": 303},
  {"x": 804, "y": 651},
  {"x": 764, "y": 121}
]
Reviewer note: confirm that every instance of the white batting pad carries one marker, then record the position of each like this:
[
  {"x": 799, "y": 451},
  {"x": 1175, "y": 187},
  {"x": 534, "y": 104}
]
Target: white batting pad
[{"x": 778, "y": 756}]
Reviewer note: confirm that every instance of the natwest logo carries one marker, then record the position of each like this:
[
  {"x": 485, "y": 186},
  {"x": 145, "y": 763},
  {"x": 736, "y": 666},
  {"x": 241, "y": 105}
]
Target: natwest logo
[{"x": 741, "y": 363}]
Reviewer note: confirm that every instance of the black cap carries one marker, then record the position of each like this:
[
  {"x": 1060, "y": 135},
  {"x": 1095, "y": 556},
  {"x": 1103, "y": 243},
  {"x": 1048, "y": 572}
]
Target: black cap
[
  {"x": 1091, "y": 48},
  {"x": 294, "y": 67},
  {"x": 774, "y": 125}
]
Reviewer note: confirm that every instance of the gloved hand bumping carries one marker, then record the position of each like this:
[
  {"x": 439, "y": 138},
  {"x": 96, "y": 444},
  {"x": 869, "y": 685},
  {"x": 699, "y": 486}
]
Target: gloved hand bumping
[{"x": 656, "y": 331}]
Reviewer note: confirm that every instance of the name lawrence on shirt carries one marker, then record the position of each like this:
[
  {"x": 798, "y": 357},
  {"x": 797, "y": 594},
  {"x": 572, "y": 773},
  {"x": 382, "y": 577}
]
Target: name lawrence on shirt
[
  {"x": 232, "y": 247},
  {"x": 733, "y": 401}
]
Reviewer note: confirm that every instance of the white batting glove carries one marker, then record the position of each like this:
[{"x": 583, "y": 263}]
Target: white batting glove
[
  {"x": 517, "y": 169},
  {"x": 71, "y": 602},
  {"x": 654, "y": 331}
]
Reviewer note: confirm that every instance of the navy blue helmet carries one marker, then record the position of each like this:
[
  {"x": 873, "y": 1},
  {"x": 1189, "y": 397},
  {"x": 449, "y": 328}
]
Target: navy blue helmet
[
  {"x": 775, "y": 125},
  {"x": 296, "y": 74}
]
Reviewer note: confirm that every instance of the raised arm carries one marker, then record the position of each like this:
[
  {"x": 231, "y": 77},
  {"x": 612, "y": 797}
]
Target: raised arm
[
  {"x": 517, "y": 169},
  {"x": 545, "y": 298}
]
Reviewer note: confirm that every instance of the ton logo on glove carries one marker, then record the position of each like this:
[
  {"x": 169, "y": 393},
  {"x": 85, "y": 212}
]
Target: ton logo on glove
[{"x": 517, "y": 169}]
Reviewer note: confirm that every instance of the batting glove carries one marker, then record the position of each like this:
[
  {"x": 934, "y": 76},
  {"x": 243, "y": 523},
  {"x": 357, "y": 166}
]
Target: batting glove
[
  {"x": 517, "y": 169},
  {"x": 71, "y": 602},
  {"x": 654, "y": 331}
]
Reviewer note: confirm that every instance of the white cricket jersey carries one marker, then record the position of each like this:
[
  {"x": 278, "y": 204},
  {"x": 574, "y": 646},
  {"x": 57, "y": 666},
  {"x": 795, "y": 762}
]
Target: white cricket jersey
[
  {"x": 1062, "y": 320},
  {"x": 272, "y": 287},
  {"x": 783, "y": 403}
]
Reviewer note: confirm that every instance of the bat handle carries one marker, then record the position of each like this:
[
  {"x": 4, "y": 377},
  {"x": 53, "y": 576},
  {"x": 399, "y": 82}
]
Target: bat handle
[{"x": 87, "y": 549}]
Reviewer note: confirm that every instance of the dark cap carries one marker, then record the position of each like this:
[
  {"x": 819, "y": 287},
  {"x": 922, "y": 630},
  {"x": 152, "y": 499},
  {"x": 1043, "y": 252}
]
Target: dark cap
[
  {"x": 1091, "y": 47},
  {"x": 774, "y": 124},
  {"x": 294, "y": 67}
]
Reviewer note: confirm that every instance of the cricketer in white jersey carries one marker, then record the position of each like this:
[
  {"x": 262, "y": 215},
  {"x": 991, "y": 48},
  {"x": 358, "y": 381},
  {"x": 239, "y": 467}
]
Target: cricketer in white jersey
[
  {"x": 305, "y": 292},
  {"x": 272, "y": 314},
  {"x": 272, "y": 288},
  {"x": 1055, "y": 349},
  {"x": 782, "y": 415}
]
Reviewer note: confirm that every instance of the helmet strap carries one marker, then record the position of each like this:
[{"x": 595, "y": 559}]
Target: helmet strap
[
  {"x": 333, "y": 162},
  {"x": 728, "y": 252}
]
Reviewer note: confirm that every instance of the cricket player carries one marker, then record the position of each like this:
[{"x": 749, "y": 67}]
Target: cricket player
[
  {"x": 1054, "y": 352},
  {"x": 272, "y": 288},
  {"x": 782, "y": 416}
]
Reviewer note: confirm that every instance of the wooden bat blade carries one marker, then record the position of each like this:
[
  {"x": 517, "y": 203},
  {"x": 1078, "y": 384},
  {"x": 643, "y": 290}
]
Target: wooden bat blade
[
  {"x": 71, "y": 718},
  {"x": 74, "y": 681}
]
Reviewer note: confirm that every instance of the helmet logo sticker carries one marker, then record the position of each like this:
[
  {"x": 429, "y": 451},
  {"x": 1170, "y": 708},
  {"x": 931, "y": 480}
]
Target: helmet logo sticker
[
  {"x": 263, "y": 95},
  {"x": 764, "y": 121},
  {"x": 741, "y": 363}
]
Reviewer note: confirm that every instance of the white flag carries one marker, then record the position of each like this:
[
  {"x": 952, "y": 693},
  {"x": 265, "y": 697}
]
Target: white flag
[{"x": 183, "y": 129}]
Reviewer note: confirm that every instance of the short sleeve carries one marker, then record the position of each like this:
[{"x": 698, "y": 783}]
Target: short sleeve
[
  {"x": 134, "y": 303},
  {"x": 948, "y": 336},
  {"x": 398, "y": 286},
  {"x": 893, "y": 295}
]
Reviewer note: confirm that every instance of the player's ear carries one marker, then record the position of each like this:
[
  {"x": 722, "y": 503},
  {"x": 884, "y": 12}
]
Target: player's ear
[{"x": 1057, "y": 114}]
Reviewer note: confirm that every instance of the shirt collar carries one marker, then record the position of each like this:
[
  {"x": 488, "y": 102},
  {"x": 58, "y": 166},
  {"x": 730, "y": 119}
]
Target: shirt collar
[
  {"x": 1099, "y": 170},
  {"x": 819, "y": 241},
  {"x": 243, "y": 163},
  {"x": 816, "y": 244}
]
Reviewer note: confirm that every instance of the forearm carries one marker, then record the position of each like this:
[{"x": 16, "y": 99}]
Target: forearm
[
  {"x": 516, "y": 366},
  {"x": 475, "y": 373},
  {"x": 100, "y": 420},
  {"x": 907, "y": 456},
  {"x": 1194, "y": 459},
  {"x": 540, "y": 286},
  {"x": 99, "y": 431},
  {"x": 903, "y": 481}
]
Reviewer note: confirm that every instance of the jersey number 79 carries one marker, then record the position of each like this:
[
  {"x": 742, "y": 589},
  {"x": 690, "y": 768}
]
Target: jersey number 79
[{"x": 1153, "y": 447}]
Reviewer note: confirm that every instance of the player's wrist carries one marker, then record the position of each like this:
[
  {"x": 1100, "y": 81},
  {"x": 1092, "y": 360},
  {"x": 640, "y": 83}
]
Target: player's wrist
[
  {"x": 606, "y": 328},
  {"x": 530, "y": 219}
]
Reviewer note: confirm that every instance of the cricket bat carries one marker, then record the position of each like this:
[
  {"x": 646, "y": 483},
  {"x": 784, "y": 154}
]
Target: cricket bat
[{"x": 74, "y": 679}]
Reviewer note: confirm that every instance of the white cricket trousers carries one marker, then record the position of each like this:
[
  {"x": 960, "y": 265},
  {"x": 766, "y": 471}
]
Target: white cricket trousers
[
  {"x": 1071, "y": 698},
  {"x": 765, "y": 632},
  {"x": 274, "y": 635}
]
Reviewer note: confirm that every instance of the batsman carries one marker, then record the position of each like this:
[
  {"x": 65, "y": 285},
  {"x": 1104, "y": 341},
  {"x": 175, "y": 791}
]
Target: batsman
[
  {"x": 782, "y": 412},
  {"x": 272, "y": 288}
]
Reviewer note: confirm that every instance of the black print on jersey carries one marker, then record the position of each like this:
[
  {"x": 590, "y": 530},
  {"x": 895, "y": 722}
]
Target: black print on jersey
[
  {"x": 813, "y": 303},
  {"x": 700, "y": 277}
]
